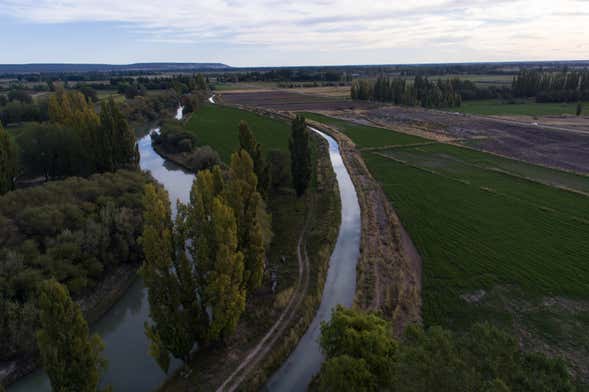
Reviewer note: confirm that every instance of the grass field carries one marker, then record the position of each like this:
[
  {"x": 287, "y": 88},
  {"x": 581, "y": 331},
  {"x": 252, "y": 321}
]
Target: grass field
[
  {"x": 366, "y": 136},
  {"x": 495, "y": 245},
  {"x": 530, "y": 108},
  {"x": 218, "y": 126},
  {"x": 477, "y": 228}
]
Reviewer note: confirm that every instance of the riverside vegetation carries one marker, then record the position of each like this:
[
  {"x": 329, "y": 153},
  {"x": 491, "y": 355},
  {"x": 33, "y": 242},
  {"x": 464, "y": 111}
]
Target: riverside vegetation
[
  {"x": 75, "y": 230},
  {"x": 318, "y": 206}
]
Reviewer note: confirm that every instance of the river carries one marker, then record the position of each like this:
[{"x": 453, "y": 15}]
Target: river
[
  {"x": 130, "y": 367},
  {"x": 340, "y": 285}
]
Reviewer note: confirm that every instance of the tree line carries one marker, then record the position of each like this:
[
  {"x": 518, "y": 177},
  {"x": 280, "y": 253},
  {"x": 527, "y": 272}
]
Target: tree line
[
  {"x": 362, "y": 355},
  {"x": 76, "y": 141},
  {"x": 421, "y": 92},
  {"x": 200, "y": 268},
  {"x": 562, "y": 86}
]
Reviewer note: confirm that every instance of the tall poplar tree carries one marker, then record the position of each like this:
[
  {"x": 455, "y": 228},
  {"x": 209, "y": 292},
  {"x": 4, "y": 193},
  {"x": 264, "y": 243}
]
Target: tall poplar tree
[
  {"x": 70, "y": 356},
  {"x": 300, "y": 155},
  {"x": 250, "y": 214},
  {"x": 214, "y": 249},
  {"x": 170, "y": 279},
  {"x": 247, "y": 142},
  {"x": 7, "y": 162},
  {"x": 116, "y": 140}
]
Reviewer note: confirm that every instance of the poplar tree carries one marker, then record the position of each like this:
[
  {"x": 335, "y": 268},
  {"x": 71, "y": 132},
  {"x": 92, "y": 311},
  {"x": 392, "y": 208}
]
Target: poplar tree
[
  {"x": 71, "y": 110},
  {"x": 300, "y": 155},
  {"x": 247, "y": 142},
  {"x": 225, "y": 291},
  {"x": 250, "y": 214},
  {"x": 219, "y": 264},
  {"x": 169, "y": 277},
  {"x": 7, "y": 162},
  {"x": 116, "y": 141},
  {"x": 70, "y": 356}
]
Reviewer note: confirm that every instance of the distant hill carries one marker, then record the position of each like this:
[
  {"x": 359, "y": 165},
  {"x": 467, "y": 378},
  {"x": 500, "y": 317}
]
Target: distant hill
[{"x": 158, "y": 67}]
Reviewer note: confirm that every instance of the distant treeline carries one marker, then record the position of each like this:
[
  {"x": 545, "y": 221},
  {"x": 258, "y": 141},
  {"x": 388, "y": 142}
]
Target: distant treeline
[
  {"x": 564, "y": 86},
  {"x": 422, "y": 92},
  {"x": 285, "y": 75}
]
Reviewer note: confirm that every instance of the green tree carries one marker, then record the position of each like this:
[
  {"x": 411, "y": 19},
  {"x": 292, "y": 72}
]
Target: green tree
[
  {"x": 219, "y": 264},
  {"x": 300, "y": 155},
  {"x": 169, "y": 277},
  {"x": 7, "y": 162},
  {"x": 247, "y": 142},
  {"x": 360, "y": 350},
  {"x": 345, "y": 373},
  {"x": 250, "y": 214},
  {"x": 70, "y": 356},
  {"x": 363, "y": 336},
  {"x": 116, "y": 141},
  {"x": 225, "y": 291}
]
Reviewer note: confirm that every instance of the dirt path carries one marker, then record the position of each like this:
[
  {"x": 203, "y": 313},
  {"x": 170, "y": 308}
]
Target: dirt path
[{"x": 267, "y": 342}]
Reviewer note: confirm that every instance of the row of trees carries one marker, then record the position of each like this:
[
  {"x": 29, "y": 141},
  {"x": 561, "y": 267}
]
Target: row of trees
[
  {"x": 76, "y": 141},
  {"x": 362, "y": 355},
  {"x": 564, "y": 86},
  {"x": 422, "y": 91},
  {"x": 107, "y": 141},
  {"x": 200, "y": 269}
]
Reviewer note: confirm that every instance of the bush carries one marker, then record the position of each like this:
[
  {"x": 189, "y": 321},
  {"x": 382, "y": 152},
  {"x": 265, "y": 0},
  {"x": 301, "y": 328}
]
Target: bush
[
  {"x": 361, "y": 351},
  {"x": 76, "y": 231}
]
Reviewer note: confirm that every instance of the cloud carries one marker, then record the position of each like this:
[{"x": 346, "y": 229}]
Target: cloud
[{"x": 520, "y": 28}]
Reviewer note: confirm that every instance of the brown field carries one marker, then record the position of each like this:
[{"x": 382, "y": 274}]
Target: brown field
[
  {"x": 555, "y": 141},
  {"x": 555, "y": 146},
  {"x": 289, "y": 101}
]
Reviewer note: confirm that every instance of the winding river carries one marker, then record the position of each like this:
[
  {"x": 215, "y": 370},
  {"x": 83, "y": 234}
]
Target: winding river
[
  {"x": 131, "y": 368},
  {"x": 340, "y": 285}
]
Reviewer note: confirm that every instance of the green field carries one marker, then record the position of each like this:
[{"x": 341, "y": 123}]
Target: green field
[
  {"x": 491, "y": 107},
  {"x": 498, "y": 243},
  {"x": 476, "y": 229},
  {"x": 366, "y": 136},
  {"x": 218, "y": 126}
]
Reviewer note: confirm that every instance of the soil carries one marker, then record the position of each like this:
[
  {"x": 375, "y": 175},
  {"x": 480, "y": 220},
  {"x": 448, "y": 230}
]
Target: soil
[
  {"x": 554, "y": 146},
  {"x": 290, "y": 101}
]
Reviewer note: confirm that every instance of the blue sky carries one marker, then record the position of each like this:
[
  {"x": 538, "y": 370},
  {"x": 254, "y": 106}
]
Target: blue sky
[{"x": 283, "y": 32}]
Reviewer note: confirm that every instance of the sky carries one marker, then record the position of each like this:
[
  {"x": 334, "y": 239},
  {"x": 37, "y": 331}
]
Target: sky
[{"x": 288, "y": 33}]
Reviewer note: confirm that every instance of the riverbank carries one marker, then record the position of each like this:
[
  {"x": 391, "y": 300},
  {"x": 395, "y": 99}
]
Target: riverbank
[
  {"x": 316, "y": 215},
  {"x": 389, "y": 268}
]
